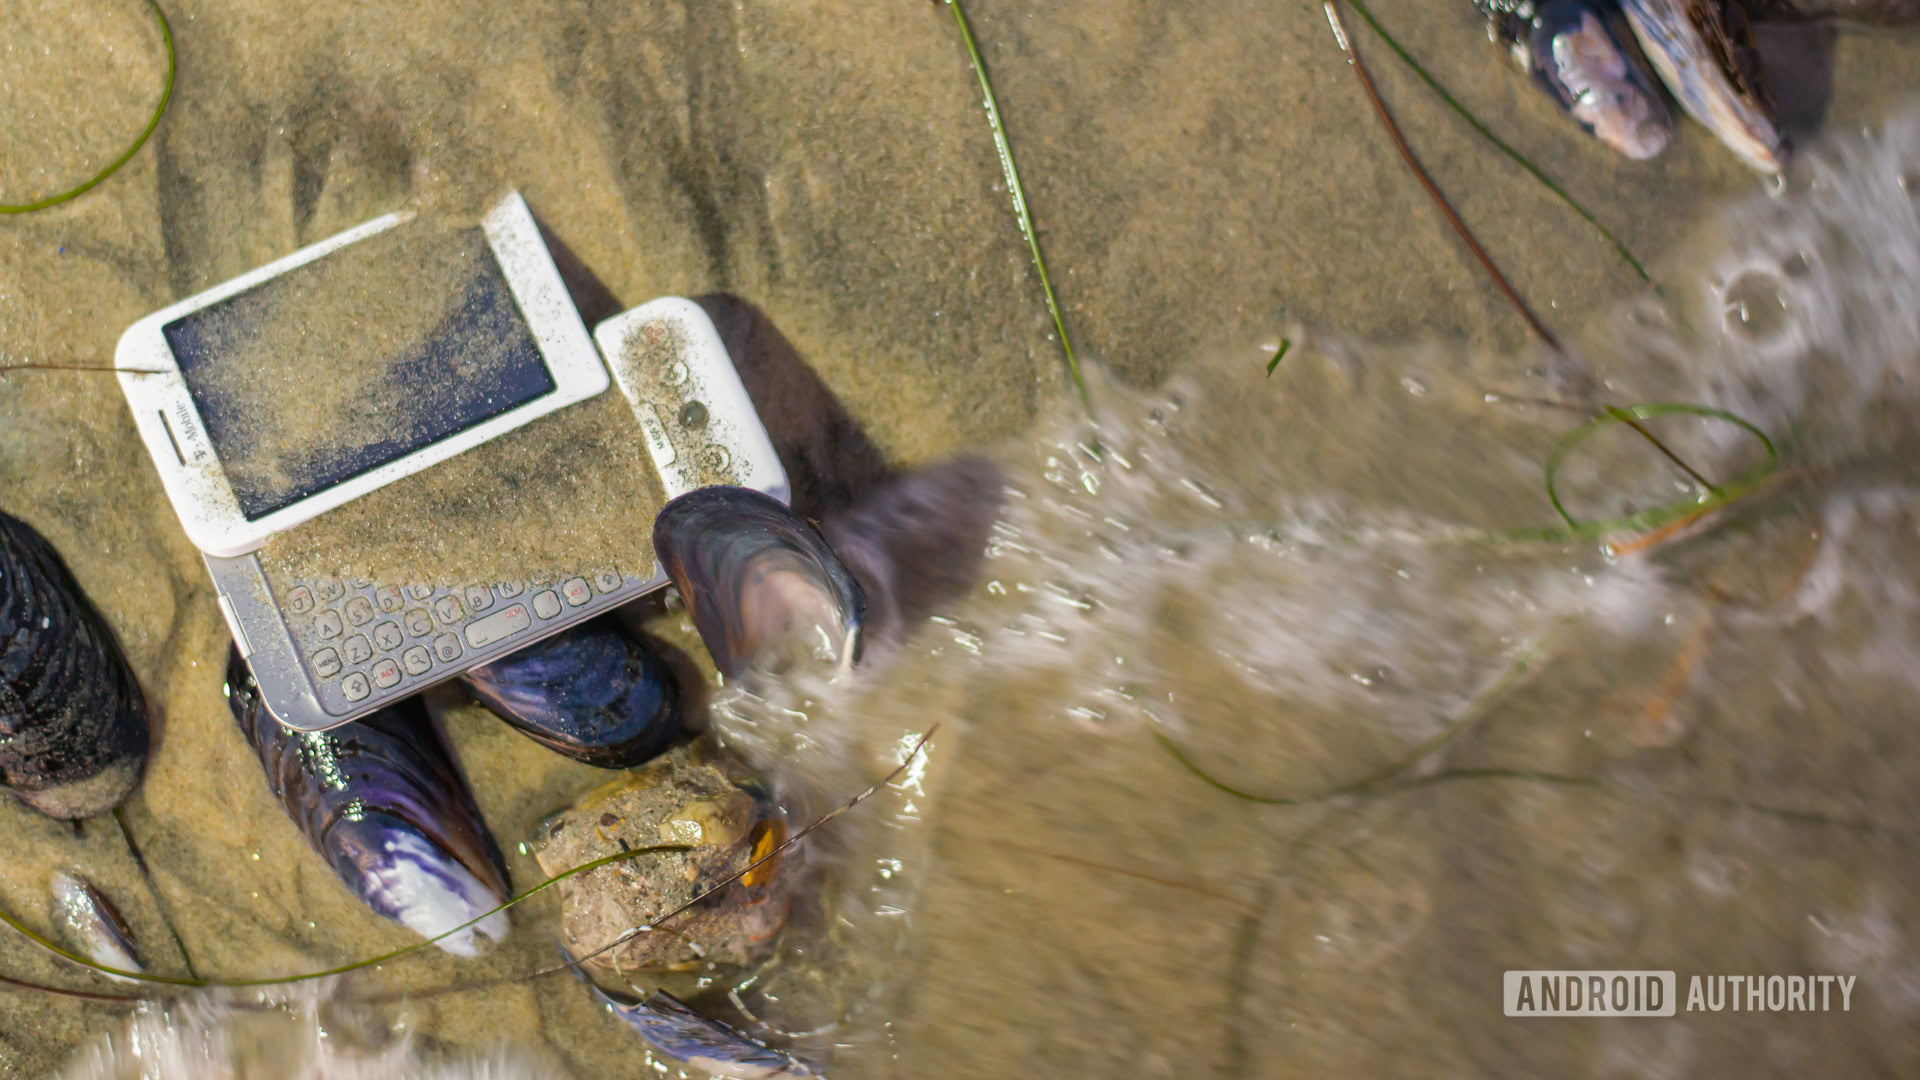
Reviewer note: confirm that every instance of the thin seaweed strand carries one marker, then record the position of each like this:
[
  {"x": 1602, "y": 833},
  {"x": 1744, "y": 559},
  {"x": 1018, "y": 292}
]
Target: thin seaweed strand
[{"x": 166, "y": 95}]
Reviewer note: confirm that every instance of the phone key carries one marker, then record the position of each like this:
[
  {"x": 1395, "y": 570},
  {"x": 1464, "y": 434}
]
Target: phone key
[
  {"x": 359, "y": 612},
  {"x": 509, "y": 589},
  {"x": 419, "y": 623},
  {"x": 326, "y": 663},
  {"x": 498, "y": 626},
  {"x": 357, "y": 649},
  {"x": 389, "y": 599},
  {"x": 715, "y": 458},
  {"x": 387, "y": 636},
  {"x": 478, "y": 598},
  {"x": 449, "y": 609},
  {"x": 447, "y": 648},
  {"x": 327, "y": 624},
  {"x": 545, "y": 604},
  {"x": 355, "y": 687},
  {"x": 419, "y": 592},
  {"x": 606, "y": 581},
  {"x": 576, "y": 591},
  {"x": 417, "y": 660},
  {"x": 386, "y": 673},
  {"x": 300, "y": 600},
  {"x": 331, "y": 590}
]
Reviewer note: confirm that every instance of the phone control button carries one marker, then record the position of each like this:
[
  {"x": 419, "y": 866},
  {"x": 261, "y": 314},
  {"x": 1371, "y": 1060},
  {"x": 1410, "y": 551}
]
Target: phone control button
[
  {"x": 327, "y": 624},
  {"x": 419, "y": 623},
  {"x": 447, "y": 648},
  {"x": 357, "y": 649},
  {"x": 659, "y": 446},
  {"x": 576, "y": 591},
  {"x": 449, "y": 609},
  {"x": 478, "y": 598},
  {"x": 387, "y": 636},
  {"x": 498, "y": 626},
  {"x": 359, "y": 611},
  {"x": 389, "y": 599},
  {"x": 419, "y": 592},
  {"x": 331, "y": 590},
  {"x": 326, "y": 663},
  {"x": 355, "y": 687},
  {"x": 509, "y": 589},
  {"x": 545, "y": 604},
  {"x": 417, "y": 660},
  {"x": 386, "y": 673},
  {"x": 300, "y": 600},
  {"x": 606, "y": 581},
  {"x": 233, "y": 625},
  {"x": 715, "y": 459}
]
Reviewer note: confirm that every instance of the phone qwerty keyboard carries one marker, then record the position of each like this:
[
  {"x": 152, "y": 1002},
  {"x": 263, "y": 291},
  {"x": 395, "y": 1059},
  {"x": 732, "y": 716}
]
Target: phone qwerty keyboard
[{"x": 359, "y": 639}]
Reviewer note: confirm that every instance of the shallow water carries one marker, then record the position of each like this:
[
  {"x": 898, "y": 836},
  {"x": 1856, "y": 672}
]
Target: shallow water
[{"x": 1291, "y": 579}]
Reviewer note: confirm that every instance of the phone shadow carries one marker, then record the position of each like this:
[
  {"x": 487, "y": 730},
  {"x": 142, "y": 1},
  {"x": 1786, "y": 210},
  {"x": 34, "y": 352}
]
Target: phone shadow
[
  {"x": 914, "y": 539},
  {"x": 830, "y": 461}
]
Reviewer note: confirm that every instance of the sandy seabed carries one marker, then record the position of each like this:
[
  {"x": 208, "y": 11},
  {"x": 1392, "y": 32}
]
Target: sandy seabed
[{"x": 820, "y": 173}]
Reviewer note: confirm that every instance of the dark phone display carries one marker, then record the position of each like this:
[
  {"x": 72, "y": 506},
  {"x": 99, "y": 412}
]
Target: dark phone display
[{"x": 356, "y": 359}]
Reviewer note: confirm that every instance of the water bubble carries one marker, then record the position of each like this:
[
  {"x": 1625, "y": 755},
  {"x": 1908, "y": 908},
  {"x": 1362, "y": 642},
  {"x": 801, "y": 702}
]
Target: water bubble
[{"x": 1755, "y": 306}]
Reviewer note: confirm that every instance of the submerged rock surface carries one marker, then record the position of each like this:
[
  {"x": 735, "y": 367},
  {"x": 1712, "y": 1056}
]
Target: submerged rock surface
[{"x": 698, "y": 796}]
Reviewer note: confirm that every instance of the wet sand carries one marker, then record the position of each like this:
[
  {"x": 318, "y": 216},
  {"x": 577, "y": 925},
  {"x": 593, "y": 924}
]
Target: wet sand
[{"x": 1198, "y": 176}]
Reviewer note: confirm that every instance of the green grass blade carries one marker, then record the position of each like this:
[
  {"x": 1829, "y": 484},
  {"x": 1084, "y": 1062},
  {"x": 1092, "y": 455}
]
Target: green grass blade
[
  {"x": 1360, "y": 7},
  {"x": 1483, "y": 703},
  {"x": 1633, "y": 413},
  {"x": 1012, "y": 171},
  {"x": 1285, "y": 344},
  {"x": 176, "y": 980},
  {"x": 166, "y": 95}
]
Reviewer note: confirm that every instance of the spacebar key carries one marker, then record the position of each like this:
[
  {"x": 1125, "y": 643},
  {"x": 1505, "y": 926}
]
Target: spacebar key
[{"x": 500, "y": 625}]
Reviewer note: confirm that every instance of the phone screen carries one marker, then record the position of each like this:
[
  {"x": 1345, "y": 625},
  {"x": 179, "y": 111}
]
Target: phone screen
[{"x": 356, "y": 359}]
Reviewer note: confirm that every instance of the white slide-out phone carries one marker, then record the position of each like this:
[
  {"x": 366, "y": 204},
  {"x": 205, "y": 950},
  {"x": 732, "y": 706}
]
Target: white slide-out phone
[{"x": 264, "y": 406}]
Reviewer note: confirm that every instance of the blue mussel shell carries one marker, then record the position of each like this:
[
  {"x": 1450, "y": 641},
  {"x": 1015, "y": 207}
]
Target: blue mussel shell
[
  {"x": 73, "y": 723},
  {"x": 592, "y": 693},
  {"x": 381, "y": 801},
  {"x": 675, "y": 1029},
  {"x": 758, "y": 579}
]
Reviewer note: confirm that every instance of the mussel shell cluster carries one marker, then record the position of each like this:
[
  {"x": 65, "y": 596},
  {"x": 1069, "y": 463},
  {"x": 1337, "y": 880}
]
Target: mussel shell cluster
[
  {"x": 73, "y": 723},
  {"x": 592, "y": 693},
  {"x": 1603, "y": 62},
  {"x": 381, "y": 801}
]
